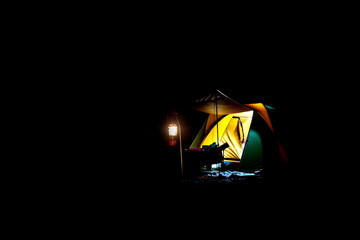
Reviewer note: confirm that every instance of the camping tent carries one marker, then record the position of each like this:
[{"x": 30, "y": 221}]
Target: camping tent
[{"x": 247, "y": 128}]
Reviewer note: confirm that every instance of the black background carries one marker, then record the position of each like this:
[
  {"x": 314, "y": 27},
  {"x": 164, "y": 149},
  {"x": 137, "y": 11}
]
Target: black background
[
  {"x": 127, "y": 70},
  {"x": 117, "y": 72}
]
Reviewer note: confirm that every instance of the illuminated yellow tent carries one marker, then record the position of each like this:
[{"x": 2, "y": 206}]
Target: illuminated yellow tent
[{"x": 247, "y": 129}]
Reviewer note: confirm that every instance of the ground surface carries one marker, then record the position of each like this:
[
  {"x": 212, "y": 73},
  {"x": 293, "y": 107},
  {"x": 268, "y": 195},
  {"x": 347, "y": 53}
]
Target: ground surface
[{"x": 223, "y": 177}]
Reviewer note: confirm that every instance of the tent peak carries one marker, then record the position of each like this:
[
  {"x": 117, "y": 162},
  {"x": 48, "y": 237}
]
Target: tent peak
[{"x": 224, "y": 103}]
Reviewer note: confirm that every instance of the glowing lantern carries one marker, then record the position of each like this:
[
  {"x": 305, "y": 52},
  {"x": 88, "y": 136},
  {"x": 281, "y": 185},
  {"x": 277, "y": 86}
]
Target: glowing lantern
[
  {"x": 172, "y": 134},
  {"x": 172, "y": 130}
]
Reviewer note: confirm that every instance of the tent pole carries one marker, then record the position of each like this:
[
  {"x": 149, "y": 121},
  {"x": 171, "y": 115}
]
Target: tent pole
[
  {"x": 217, "y": 127},
  {"x": 217, "y": 123}
]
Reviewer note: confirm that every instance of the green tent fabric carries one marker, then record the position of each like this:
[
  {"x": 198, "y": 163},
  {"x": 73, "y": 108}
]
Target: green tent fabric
[
  {"x": 253, "y": 152},
  {"x": 260, "y": 146}
]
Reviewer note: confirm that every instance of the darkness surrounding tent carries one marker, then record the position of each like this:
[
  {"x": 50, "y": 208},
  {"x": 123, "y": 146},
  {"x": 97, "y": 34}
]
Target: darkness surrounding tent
[{"x": 119, "y": 76}]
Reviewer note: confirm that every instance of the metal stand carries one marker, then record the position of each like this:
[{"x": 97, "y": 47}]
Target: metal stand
[{"x": 181, "y": 156}]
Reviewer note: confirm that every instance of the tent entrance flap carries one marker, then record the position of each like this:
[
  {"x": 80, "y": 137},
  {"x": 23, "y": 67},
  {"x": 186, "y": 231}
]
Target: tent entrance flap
[
  {"x": 216, "y": 128},
  {"x": 232, "y": 129}
]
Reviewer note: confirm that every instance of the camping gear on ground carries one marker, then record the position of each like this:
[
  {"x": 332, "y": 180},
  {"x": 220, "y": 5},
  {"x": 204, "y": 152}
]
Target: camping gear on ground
[{"x": 205, "y": 156}]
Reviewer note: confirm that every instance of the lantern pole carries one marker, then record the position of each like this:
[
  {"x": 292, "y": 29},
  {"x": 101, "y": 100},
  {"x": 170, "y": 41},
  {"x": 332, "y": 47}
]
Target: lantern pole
[{"x": 181, "y": 156}]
